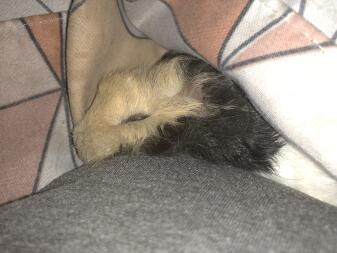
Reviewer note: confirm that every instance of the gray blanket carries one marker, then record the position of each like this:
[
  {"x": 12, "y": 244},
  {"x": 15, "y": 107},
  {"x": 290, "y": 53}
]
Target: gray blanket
[{"x": 174, "y": 204}]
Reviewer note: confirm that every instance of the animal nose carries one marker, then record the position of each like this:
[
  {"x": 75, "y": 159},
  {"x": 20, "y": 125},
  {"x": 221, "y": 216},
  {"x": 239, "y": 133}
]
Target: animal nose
[{"x": 135, "y": 117}]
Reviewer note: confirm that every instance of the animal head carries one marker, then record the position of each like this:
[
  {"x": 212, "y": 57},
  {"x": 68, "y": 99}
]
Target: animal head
[{"x": 179, "y": 105}]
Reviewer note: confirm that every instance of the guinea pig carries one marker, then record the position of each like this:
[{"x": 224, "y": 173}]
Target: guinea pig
[{"x": 182, "y": 105}]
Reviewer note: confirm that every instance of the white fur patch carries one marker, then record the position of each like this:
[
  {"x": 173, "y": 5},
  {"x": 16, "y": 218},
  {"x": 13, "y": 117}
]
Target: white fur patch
[{"x": 296, "y": 170}]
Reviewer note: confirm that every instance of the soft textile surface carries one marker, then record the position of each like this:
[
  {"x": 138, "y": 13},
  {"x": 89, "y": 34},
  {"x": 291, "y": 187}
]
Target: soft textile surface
[
  {"x": 98, "y": 42},
  {"x": 176, "y": 204},
  {"x": 11, "y": 9},
  {"x": 282, "y": 52},
  {"x": 35, "y": 120}
]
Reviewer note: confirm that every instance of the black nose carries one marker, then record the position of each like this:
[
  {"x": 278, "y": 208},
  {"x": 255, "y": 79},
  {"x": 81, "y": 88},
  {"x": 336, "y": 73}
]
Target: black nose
[{"x": 135, "y": 117}]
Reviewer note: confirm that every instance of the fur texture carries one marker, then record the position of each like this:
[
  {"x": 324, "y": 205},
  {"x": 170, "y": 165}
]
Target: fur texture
[
  {"x": 183, "y": 105},
  {"x": 180, "y": 105},
  {"x": 109, "y": 125}
]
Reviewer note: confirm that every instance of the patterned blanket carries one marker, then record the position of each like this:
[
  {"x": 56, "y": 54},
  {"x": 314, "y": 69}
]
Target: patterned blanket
[
  {"x": 283, "y": 52},
  {"x": 34, "y": 112},
  {"x": 35, "y": 116}
]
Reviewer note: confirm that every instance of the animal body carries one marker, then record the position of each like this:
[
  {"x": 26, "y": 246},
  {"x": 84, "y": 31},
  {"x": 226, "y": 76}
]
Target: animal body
[{"x": 183, "y": 105}]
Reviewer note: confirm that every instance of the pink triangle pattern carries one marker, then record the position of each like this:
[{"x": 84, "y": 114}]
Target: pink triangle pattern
[
  {"x": 23, "y": 132},
  {"x": 293, "y": 34},
  {"x": 205, "y": 24}
]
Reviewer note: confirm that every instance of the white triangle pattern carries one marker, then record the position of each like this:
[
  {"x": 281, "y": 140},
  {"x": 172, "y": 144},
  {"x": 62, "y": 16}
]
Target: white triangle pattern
[
  {"x": 251, "y": 24},
  {"x": 58, "y": 158}
]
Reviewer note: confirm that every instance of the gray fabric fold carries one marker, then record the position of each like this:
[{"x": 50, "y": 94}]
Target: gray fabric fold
[
  {"x": 13, "y": 9},
  {"x": 174, "y": 204}
]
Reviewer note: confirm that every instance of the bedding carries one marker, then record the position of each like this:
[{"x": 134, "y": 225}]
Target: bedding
[{"x": 283, "y": 52}]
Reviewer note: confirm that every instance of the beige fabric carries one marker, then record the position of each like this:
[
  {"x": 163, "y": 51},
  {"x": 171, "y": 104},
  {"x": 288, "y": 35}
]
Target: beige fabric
[{"x": 99, "y": 43}]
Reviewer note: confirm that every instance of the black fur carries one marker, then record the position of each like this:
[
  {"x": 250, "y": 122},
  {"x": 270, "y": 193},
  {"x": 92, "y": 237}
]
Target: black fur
[{"x": 237, "y": 135}]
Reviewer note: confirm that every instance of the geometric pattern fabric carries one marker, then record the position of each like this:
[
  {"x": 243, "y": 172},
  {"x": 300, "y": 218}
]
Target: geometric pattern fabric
[
  {"x": 294, "y": 39},
  {"x": 35, "y": 121}
]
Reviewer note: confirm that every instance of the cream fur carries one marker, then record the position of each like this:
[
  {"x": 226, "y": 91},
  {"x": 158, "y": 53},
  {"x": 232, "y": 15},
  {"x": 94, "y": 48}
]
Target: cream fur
[
  {"x": 97, "y": 43},
  {"x": 162, "y": 93},
  {"x": 158, "y": 92}
]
